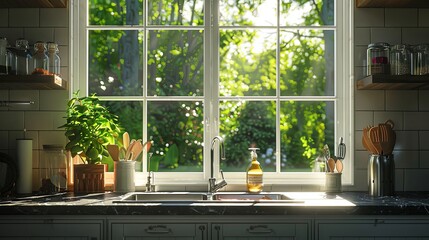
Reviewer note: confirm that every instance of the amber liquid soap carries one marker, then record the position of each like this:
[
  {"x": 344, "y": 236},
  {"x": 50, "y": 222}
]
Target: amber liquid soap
[{"x": 254, "y": 175}]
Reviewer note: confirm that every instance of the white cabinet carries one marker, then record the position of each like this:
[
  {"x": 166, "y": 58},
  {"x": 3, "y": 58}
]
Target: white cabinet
[
  {"x": 373, "y": 229},
  {"x": 263, "y": 230},
  {"x": 157, "y": 230},
  {"x": 50, "y": 229}
]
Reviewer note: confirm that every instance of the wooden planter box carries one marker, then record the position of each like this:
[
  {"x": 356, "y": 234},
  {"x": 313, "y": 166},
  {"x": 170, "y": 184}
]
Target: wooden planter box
[{"x": 89, "y": 178}]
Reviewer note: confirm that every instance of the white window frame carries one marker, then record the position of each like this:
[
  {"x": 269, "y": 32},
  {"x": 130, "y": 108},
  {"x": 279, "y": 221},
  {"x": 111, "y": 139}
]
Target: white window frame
[{"x": 343, "y": 98}]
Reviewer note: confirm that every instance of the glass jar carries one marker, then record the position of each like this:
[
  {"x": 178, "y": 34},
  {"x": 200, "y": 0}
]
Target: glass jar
[
  {"x": 40, "y": 59},
  {"x": 53, "y": 169},
  {"x": 22, "y": 57},
  {"x": 54, "y": 59},
  {"x": 3, "y": 56},
  {"x": 400, "y": 60},
  {"x": 419, "y": 60},
  {"x": 378, "y": 58}
]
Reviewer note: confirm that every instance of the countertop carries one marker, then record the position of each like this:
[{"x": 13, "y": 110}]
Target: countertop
[{"x": 319, "y": 203}]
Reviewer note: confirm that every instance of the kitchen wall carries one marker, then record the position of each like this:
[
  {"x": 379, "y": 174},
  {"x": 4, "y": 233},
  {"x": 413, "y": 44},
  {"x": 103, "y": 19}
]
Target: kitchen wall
[
  {"x": 39, "y": 121},
  {"x": 409, "y": 109}
]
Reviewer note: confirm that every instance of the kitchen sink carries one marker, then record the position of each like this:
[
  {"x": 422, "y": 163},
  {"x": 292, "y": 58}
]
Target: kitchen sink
[{"x": 193, "y": 197}]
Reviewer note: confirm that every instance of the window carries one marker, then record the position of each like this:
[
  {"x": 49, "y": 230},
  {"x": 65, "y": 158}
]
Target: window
[{"x": 271, "y": 74}]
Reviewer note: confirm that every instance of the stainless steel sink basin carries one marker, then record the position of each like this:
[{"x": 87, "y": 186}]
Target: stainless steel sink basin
[
  {"x": 144, "y": 197},
  {"x": 254, "y": 197},
  {"x": 195, "y": 197}
]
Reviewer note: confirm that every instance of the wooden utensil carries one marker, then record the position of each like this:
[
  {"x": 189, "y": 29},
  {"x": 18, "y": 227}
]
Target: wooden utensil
[
  {"x": 113, "y": 150},
  {"x": 331, "y": 164},
  {"x": 374, "y": 134},
  {"x": 136, "y": 150},
  {"x": 339, "y": 166},
  {"x": 367, "y": 141},
  {"x": 126, "y": 140}
]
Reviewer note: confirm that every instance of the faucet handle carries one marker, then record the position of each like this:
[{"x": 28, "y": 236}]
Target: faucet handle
[{"x": 221, "y": 173}]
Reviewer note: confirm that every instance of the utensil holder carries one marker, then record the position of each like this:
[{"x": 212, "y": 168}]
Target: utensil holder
[
  {"x": 381, "y": 175},
  {"x": 124, "y": 176},
  {"x": 333, "y": 182}
]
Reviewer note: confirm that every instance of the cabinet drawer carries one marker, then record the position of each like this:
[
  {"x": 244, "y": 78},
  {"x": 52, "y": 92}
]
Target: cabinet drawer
[
  {"x": 261, "y": 231},
  {"x": 159, "y": 230}
]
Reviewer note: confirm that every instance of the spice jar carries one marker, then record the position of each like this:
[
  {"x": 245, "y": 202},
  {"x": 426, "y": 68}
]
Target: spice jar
[
  {"x": 419, "y": 60},
  {"x": 378, "y": 58},
  {"x": 53, "y": 169},
  {"x": 400, "y": 60},
  {"x": 40, "y": 59},
  {"x": 54, "y": 59},
  {"x": 22, "y": 57}
]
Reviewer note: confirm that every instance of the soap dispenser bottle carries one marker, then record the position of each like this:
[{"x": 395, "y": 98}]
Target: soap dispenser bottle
[{"x": 254, "y": 173}]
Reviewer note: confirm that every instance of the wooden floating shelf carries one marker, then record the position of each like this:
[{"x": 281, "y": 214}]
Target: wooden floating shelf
[
  {"x": 393, "y": 82},
  {"x": 392, "y": 3},
  {"x": 32, "y": 82},
  {"x": 33, "y": 3}
]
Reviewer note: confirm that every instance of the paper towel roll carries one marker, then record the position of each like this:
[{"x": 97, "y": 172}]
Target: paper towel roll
[{"x": 24, "y": 148}]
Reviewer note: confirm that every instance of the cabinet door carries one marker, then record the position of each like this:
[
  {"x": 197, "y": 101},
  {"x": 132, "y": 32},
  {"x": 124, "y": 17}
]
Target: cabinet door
[
  {"x": 135, "y": 231},
  {"x": 50, "y": 230},
  {"x": 373, "y": 230},
  {"x": 272, "y": 231}
]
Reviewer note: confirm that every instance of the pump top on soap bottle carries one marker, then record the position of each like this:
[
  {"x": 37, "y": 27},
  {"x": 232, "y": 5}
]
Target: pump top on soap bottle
[{"x": 254, "y": 174}]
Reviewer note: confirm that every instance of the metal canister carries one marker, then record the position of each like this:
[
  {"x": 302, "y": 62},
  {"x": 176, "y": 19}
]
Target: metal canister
[
  {"x": 381, "y": 175},
  {"x": 378, "y": 58}
]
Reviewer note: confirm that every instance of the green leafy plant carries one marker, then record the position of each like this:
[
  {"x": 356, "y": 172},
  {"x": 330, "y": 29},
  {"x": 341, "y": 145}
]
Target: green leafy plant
[{"x": 90, "y": 127}]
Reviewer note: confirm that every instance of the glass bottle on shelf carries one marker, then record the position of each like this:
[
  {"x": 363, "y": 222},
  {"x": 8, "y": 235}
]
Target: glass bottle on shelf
[
  {"x": 419, "y": 60},
  {"x": 378, "y": 58},
  {"x": 40, "y": 59},
  {"x": 54, "y": 59},
  {"x": 400, "y": 60},
  {"x": 22, "y": 57}
]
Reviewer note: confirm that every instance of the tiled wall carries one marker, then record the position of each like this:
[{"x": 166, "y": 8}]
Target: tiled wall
[
  {"x": 39, "y": 121},
  {"x": 409, "y": 109}
]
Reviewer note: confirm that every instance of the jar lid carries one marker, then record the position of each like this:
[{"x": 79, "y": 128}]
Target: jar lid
[{"x": 378, "y": 45}]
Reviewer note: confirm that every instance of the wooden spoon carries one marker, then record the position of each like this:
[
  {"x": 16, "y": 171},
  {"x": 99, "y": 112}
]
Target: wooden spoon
[
  {"x": 331, "y": 164},
  {"x": 136, "y": 150},
  {"x": 126, "y": 140},
  {"x": 374, "y": 134},
  {"x": 113, "y": 150},
  {"x": 339, "y": 166}
]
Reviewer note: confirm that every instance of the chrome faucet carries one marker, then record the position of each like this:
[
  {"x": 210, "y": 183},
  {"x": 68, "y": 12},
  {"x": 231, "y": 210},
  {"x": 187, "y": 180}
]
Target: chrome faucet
[{"x": 214, "y": 187}]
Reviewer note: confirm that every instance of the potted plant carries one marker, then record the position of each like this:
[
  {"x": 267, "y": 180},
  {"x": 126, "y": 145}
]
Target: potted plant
[{"x": 90, "y": 127}]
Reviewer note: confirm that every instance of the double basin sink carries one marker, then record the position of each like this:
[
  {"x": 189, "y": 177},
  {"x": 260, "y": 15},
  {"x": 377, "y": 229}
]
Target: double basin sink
[{"x": 198, "y": 197}]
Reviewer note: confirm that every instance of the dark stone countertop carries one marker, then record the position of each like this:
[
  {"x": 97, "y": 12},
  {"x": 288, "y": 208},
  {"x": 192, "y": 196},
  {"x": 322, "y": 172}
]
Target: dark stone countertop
[{"x": 346, "y": 203}]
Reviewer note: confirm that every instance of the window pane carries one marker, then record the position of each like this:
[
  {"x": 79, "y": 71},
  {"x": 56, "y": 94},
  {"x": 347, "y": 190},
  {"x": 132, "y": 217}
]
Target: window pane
[
  {"x": 247, "y": 13},
  {"x": 307, "y": 63},
  {"x": 244, "y": 125},
  {"x": 118, "y": 12},
  {"x": 305, "y": 127},
  {"x": 130, "y": 116},
  {"x": 115, "y": 62},
  {"x": 307, "y": 12},
  {"x": 177, "y": 131},
  {"x": 247, "y": 63},
  {"x": 176, "y": 12},
  {"x": 175, "y": 63}
]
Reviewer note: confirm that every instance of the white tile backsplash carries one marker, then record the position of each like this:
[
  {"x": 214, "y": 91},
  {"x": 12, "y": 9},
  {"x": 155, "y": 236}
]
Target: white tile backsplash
[
  {"x": 39, "y": 34},
  {"x": 60, "y": 103},
  {"x": 407, "y": 140},
  {"x": 423, "y": 17},
  {"x": 416, "y": 121},
  {"x": 362, "y": 36},
  {"x": 369, "y": 17},
  {"x": 4, "y": 17},
  {"x": 401, "y": 17},
  {"x": 415, "y": 35},
  {"x": 396, "y": 117},
  {"x": 389, "y": 35},
  {"x": 54, "y": 17},
  {"x": 369, "y": 100},
  {"x": 401, "y": 100},
  {"x": 61, "y": 36},
  {"x": 23, "y": 17},
  {"x": 12, "y": 120}
]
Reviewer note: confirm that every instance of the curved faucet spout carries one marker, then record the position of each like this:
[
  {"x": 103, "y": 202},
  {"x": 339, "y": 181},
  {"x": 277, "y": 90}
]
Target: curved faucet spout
[
  {"x": 212, "y": 181},
  {"x": 222, "y": 152}
]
